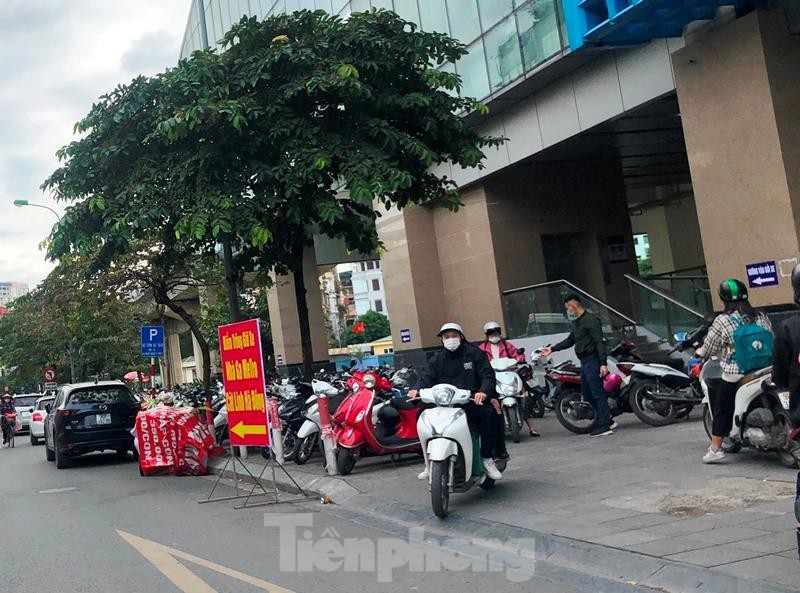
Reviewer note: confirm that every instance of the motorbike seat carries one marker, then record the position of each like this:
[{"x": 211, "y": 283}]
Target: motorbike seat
[
  {"x": 754, "y": 375},
  {"x": 395, "y": 441}
]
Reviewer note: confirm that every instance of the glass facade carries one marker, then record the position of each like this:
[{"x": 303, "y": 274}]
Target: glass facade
[{"x": 505, "y": 38}]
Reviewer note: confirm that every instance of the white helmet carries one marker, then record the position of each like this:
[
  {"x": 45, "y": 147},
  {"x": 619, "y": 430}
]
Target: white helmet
[
  {"x": 491, "y": 326},
  {"x": 448, "y": 327}
]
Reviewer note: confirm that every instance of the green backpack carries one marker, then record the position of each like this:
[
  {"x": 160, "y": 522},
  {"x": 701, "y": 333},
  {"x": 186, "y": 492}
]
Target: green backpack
[{"x": 752, "y": 345}]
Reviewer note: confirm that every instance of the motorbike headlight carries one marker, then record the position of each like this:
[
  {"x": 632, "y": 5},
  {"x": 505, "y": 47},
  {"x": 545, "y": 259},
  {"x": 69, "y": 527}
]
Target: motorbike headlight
[
  {"x": 509, "y": 390},
  {"x": 443, "y": 396},
  {"x": 369, "y": 382}
]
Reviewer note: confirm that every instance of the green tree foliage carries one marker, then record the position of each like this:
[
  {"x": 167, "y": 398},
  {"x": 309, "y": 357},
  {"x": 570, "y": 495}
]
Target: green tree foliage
[
  {"x": 73, "y": 325},
  {"x": 376, "y": 326},
  {"x": 306, "y": 123},
  {"x": 252, "y": 304}
]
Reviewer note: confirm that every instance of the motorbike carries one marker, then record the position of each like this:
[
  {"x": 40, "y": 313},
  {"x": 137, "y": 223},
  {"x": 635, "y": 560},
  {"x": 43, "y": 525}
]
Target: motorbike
[
  {"x": 308, "y": 436},
  {"x": 373, "y": 420},
  {"x": 662, "y": 392},
  {"x": 539, "y": 383},
  {"x": 761, "y": 417},
  {"x": 511, "y": 392},
  {"x": 573, "y": 412},
  {"x": 449, "y": 447}
]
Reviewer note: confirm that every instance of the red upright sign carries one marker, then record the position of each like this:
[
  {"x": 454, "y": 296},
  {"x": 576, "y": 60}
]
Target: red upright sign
[
  {"x": 50, "y": 375},
  {"x": 243, "y": 375}
]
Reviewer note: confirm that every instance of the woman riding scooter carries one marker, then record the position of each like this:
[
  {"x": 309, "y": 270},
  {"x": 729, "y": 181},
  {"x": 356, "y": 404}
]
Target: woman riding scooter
[
  {"x": 720, "y": 342},
  {"x": 496, "y": 346}
]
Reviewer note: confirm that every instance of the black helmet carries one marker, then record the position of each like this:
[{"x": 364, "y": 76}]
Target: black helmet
[
  {"x": 732, "y": 290},
  {"x": 796, "y": 284}
]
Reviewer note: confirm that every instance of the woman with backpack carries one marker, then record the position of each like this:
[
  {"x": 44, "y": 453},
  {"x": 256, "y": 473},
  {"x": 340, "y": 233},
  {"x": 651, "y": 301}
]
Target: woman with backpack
[{"x": 741, "y": 338}]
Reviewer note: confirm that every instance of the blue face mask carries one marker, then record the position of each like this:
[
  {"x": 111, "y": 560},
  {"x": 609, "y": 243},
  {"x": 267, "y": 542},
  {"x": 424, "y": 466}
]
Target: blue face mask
[{"x": 572, "y": 316}]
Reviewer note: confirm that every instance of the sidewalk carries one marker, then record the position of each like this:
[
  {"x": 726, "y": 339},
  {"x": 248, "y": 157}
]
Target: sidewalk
[{"x": 637, "y": 505}]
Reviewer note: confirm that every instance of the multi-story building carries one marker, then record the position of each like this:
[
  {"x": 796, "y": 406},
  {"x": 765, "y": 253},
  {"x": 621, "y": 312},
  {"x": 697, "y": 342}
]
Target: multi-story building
[
  {"x": 12, "y": 290},
  {"x": 674, "y": 120},
  {"x": 368, "y": 293}
]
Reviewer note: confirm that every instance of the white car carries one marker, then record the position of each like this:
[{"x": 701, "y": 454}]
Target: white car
[
  {"x": 37, "y": 418},
  {"x": 24, "y": 403}
]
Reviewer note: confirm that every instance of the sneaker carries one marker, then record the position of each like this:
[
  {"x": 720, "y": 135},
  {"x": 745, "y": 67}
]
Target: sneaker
[
  {"x": 491, "y": 469},
  {"x": 613, "y": 425},
  {"x": 602, "y": 431},
  {"x": 423, "y": 475},
  {"x": 712, "y": 456},
  {"x": 535, "y": 433}
]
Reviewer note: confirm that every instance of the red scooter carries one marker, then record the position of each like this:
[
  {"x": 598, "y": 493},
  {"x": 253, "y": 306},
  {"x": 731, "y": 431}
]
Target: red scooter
[{"x": 373, "y": 421}]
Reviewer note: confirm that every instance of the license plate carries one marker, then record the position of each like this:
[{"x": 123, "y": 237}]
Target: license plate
[
  {"x": 102, "y": 419},
  {"x": 784, "y": 395}
]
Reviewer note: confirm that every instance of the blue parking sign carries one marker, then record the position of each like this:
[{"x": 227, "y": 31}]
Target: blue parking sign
[{"x": 153, "y": 340}]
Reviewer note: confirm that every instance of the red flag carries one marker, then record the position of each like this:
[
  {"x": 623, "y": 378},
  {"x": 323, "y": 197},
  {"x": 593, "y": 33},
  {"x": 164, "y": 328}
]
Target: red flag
[{"x": 359, "y": 328}]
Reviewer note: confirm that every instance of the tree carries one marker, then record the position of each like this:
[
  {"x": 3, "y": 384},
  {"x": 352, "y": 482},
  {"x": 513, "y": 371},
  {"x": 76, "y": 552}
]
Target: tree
[
  {"x": 73, "y": 325},
  {"x": 303, "y": 125},
  {"x": 376, "y": 326}
]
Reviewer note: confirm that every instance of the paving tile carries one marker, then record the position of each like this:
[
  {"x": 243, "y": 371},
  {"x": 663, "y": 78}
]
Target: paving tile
[
  {"x": 776, "y": 523},
  {"x": 626, "y": 539},
  {"x": 772, "y": 568},
  {"x": 715, "y": 555},
  {"x": 725, "y": 535},
  {"x": 670, "y": 545},
  {"x": 771, "y": 543},
  {"x": 639, "y": 521},
  {"x": 681, "y": 527}
]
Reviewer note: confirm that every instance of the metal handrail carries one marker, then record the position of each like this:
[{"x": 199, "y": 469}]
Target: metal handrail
[
  {"x": 679, "y": 271},
  {"x": 574, "y": 289},
  {"x": 663, "y": 295}
]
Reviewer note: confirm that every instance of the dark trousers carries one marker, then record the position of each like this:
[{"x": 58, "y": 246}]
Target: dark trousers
[
  {"x": 722, "y": 400},
  {"x": 486, "y": 420},
  {"x": 593, "y": 391}
]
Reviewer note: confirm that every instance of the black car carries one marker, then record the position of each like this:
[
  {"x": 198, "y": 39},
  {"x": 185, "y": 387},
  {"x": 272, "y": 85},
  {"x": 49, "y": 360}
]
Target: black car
[{"x": 88, "y": 417}]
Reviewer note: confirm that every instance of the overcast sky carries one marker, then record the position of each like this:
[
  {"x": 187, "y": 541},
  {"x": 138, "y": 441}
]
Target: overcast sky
[{"x": 56, "y": 58}]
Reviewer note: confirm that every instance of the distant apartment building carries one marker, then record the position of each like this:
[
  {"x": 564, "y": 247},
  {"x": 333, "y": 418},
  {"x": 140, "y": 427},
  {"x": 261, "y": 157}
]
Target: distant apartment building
[
  {"x": 12, "y": 290},
  {"x": 368, "y": 291}
]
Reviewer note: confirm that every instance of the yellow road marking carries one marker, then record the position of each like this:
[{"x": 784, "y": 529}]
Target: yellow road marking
[{"x": 165, "y": 560}]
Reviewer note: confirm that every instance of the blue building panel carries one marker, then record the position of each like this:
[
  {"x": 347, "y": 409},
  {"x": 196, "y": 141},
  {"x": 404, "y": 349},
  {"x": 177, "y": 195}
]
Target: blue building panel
[{"x": 593, "y": 23}]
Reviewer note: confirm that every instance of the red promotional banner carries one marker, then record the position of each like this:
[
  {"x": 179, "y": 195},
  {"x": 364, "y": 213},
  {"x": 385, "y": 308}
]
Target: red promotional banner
[{"x": 243, "y": 376}]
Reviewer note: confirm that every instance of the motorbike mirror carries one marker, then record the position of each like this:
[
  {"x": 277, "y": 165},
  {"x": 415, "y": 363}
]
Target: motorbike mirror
[{"x": 681, "y": 336}]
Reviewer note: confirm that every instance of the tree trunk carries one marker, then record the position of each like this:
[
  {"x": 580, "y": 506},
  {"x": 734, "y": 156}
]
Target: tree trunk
[
  {"x": 302, "y": 313},
  {"x": 231, "y": 281},
  {"x": 189, "y": 320}
]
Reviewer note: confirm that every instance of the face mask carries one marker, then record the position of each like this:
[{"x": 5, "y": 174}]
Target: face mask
[
  {"x": 494, "y": 339},
  {"x": 452, "y": 344},
  {"x": 572, "y": 316}
]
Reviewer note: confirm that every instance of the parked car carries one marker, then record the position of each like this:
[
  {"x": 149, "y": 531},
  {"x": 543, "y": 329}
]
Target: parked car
[
  {"x": 24, "y": 403},
  {"x": 87, "y": 417},
  {"x": 38, "y": 416}
]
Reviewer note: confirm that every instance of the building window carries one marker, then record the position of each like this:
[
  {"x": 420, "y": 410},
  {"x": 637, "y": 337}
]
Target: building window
[
  {"x": 362, "y": 266},
  {"x": 186, "y": 346},
  {"x": 379, "y": 306},
  {"x": 502, "y": 50},
  {"x": 387, "y": 4},
  {"x": 377, "y": 265},
  {"x": 434, "y": 16},
  {"x": 493, "y": 11},
  {"x": 370, "y": 265},
  {"x": 538, "y": 31},
  {"x": 464, "y": 23},
  {"x": 407, "y": 9},
  {"x": 472, "y": 69},
  {"x": 376, "y": 284}
]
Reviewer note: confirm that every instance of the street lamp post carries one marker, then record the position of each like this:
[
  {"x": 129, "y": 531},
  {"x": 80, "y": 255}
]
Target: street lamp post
[{"x": 22, "y": 203}]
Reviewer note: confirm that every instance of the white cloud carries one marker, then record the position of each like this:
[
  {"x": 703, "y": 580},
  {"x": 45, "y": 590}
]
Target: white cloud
[{"x": 56, "y": 58}]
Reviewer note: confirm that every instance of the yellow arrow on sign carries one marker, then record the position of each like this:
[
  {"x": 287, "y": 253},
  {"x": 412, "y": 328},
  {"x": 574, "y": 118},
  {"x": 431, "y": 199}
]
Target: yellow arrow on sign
[
  {"x": 242, "y": 430},
  {"x": 165, "y": 560}
]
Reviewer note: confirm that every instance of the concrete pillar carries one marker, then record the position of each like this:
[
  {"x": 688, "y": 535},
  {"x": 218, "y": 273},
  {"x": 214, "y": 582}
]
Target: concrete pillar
[
  {"x": 740, "y": 103},
  {"x": 283, "y": 318}
]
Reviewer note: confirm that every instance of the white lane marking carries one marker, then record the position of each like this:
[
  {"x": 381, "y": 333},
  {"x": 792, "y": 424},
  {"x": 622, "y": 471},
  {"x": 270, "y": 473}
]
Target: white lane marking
[{"x": 57, "y": 490}]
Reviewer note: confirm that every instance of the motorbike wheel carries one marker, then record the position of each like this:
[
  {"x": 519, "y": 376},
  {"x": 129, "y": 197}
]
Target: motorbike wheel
[
  {"x": 536, "y": 406},
  {"x": 569, "y": 407},
  {"x": 440, "y": 487},
  {"x": 728, "y": 445},
  {"x": 789, "y": 450},
  {"x": 289, "y": 440},
  {"x": 345, "y": 461},
  {"x": 304, "y": 448},
  {"x": 684, "y": 413},
  {"x": 513, "y": 419},
  {"x": 647, "y": 409}
]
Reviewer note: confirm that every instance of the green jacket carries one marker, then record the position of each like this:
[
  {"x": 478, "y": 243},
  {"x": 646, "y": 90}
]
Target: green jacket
[{"x": 587, "y": 337}]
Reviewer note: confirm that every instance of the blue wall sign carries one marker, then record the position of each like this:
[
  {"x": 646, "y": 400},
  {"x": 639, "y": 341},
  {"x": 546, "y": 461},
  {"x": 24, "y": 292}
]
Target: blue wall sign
[{"x": 762, "y": 274}]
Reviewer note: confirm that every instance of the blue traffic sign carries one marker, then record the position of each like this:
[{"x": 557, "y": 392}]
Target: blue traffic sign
[
  {"x": 405, "y": 336},
  {"x": 153, "y": 340},
  {"x": 762, "y": 274}
]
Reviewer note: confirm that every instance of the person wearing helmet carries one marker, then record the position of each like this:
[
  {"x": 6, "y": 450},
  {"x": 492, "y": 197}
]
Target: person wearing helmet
[
  {"x": 496, "y": 346},
  {"x": 6, "y": 407},
  {"x": 465, "y": 366},
  {"x": 786, "y": 362},
  {"x": 719, "y": 342}
]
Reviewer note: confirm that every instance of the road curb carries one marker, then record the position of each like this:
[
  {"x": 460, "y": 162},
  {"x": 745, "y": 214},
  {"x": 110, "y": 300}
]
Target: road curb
[{"x": 623, "y": 567}]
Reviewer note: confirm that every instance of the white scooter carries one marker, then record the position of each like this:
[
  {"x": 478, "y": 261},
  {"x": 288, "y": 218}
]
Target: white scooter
[
  {"x": 450, "y": 449},
  {"x": 309, "y": 433},
  {"x": 510, "y": 390},
  {"x": 761, "y": 415}
]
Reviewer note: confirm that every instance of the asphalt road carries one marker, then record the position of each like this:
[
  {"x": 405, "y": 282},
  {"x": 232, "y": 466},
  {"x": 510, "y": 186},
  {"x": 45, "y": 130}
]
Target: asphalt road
[{"x": 99, "y": 527}]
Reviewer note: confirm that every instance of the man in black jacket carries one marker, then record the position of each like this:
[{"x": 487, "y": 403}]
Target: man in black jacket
[
  {"x": 590, "y": 348},
  {"x": 786, "y": 359},
  {"x": 465, "y": 366}
]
